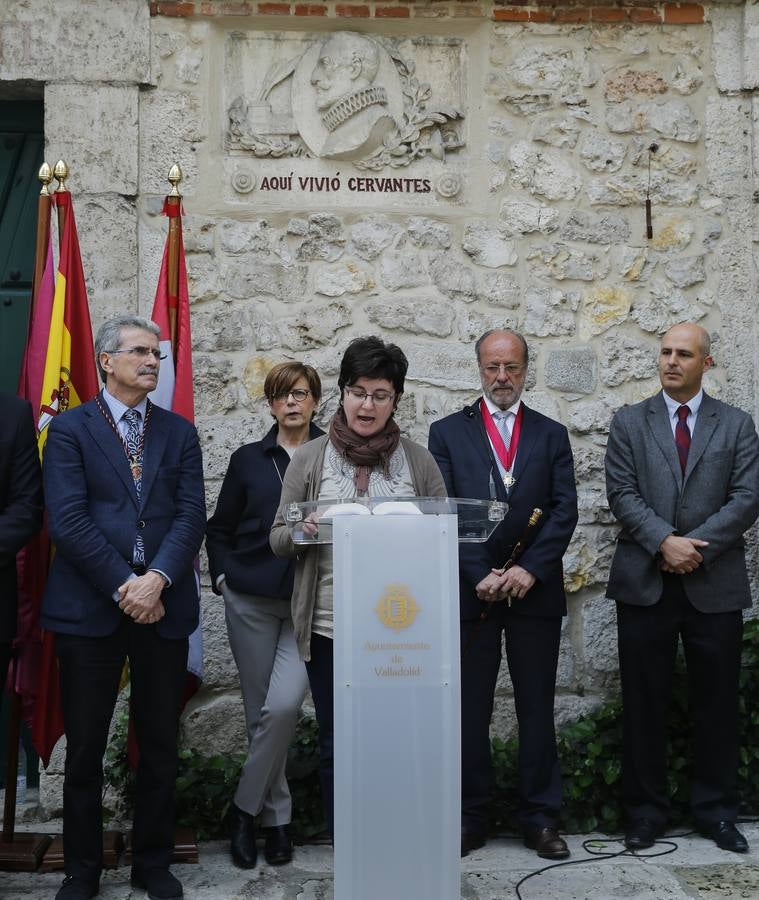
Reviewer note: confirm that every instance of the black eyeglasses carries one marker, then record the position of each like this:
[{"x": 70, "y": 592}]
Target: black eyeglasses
[
  {"x": 140, "y": 351},
  {"x": 298, "y": 395},
  {"x": 379, "y": 398}
]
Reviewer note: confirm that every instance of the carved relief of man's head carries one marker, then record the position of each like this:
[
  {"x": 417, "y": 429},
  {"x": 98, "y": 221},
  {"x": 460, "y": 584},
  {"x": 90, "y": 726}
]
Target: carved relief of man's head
[{"x": 347, "y": 62}]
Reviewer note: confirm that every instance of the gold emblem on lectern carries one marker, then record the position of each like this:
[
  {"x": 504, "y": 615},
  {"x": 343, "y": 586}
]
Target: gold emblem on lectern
[{"x": 397, "y": 608}]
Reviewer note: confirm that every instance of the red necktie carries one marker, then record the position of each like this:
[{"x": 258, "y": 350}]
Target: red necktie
[{"x": 682, "y": 435}]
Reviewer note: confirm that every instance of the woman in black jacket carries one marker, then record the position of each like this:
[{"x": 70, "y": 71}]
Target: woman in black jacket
[{"x": 257, "y": 588}]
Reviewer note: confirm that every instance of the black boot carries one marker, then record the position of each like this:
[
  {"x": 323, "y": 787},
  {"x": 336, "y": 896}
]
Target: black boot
[
  {"x": 278, "y": 846},
  {"x": 242, "y": 833}
]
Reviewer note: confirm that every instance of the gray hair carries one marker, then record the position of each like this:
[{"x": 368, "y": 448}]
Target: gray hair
[
  {"x": 510, "y": 331},
  {"x": 109, "y": 335}
]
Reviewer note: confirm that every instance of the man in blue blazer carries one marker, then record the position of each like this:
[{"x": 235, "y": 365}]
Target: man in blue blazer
[
  {"x": 682, "y": 477},
  {"x": 498, "y": 448},
  {"x": 126, "y": 511}
]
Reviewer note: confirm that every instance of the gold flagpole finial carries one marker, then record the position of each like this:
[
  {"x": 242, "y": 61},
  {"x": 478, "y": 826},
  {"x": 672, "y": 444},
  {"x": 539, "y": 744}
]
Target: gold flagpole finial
[
  {"x": 61, "y": 172},
  {"x": 45, "y": 175},
  {"x": 175, "y": 176}
]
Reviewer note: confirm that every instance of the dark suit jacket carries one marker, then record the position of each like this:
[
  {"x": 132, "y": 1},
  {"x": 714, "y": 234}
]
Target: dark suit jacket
[
  {"x": 544, "y": 475},
  {"x": 20, "y": 499},
  {"x": 93, "y": 513},
  {"x": 716, "y": 501},
  {"x": 238, "y": 532}
]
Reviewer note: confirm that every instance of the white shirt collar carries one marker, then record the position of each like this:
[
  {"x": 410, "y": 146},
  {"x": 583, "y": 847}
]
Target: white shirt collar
[
  {"x": 118, "y": 408},
  {"x": 493, "y": 409},
  {"x": 693, "y": 404}
]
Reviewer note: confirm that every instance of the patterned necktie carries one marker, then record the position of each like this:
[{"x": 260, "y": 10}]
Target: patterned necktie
[
  {"x": 134, "y": 449},
  {"x": 503, "y": 420},
  {"x": 682, "y": 435}
]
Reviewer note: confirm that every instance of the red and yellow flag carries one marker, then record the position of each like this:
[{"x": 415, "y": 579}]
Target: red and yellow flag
[{"x": 63, "y": 378}]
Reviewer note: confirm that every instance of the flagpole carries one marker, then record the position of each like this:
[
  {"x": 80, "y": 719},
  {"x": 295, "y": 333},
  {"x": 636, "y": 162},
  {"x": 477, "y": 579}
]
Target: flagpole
[
  {"x": 174, "y": 203},
  {"x": 61, "y": 172},
  {"x": 25, "y": 852},
  {"x": 45, "y": 175}
]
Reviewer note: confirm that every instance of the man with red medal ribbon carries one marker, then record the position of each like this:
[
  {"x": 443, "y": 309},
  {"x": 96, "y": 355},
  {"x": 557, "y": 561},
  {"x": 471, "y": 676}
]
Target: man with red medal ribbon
[
  {"x": 126, "y": 511},
  {"x": 500, "y": 449}
]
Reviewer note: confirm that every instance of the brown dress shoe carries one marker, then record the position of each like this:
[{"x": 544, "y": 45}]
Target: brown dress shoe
[{"x": 547, "y": 842}]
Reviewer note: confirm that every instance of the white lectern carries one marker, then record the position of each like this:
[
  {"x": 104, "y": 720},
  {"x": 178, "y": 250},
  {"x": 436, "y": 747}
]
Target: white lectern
[{"x": 397, "y": 688}]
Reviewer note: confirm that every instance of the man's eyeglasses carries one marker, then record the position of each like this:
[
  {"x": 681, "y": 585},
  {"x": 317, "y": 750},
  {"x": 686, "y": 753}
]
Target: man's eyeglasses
[
  {"x": 379, "y": 398},
  {"x": 298, "y": 395},
  {"x": 494, "y": 370},
  {"x": 140, "y": 351}
]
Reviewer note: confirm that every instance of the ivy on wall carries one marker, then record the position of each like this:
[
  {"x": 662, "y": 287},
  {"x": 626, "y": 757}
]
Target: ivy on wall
[{"x": 590, "y": 753}]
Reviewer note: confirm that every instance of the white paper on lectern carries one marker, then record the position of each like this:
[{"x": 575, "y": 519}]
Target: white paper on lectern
[{"x": 397, "y": 700}]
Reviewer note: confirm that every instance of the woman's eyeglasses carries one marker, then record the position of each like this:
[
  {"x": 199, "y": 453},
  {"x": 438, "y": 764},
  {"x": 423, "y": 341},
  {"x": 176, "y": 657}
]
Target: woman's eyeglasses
[
  {"x": 298, "y": 395},
  {"x": 379, "y": 398}
]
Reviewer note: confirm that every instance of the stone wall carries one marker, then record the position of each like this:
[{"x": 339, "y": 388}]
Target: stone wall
[{"x": 534, "y": 219}]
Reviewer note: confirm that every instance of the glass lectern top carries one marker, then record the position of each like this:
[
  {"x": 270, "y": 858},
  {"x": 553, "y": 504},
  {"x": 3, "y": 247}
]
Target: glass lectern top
[{"x": 311, "y": 522}]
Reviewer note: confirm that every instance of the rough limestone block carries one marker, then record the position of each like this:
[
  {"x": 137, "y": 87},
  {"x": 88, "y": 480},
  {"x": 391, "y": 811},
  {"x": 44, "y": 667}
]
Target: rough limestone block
[
  {"x": 471, "y": 323},
  {"x": 452, "y": 276},
  {"x": 346, "y": 278},
  {"x": 418, "y": 316},
  {"x": 727, "y": 46},
  {"x": 573, "y": 370},
  {"x": 324, "y": 240},
  {"x": 403, "y": 269},
  {"x": 600, "y": 634},
  {"x": 220, "y": 671},
  {"x": 88, "y": 40},
  {"x": 500, "y": 289},
  {"x": 561, "y": 261},
  {"x": 523, "y": 217},
  {"x": 214, "y": 723},
  {"x": 487, "y": 245},
  {"x": 246, "y": 277},
  {"x": 173, "y": 124},
  {"x": 212, "y": 377},
  {"x": 685, "y": 271},
  {"x": 442, "y": 364},
  {"x": 218, "y": 328},
  {"x": 244, "y": 237},
  {"x": 429, "y": 233},
  {"x": 371, "y": 235},
  {"x": 101, "y": 150},
  {"x": 601, "y": 154},
  {"x": 549, "y": 311},
  {"x": 750, "y": 47},
  {"x": 107, "y": 227},
  {"x": 728, "y": 146},
  {"x": 595, "y": 228},
  {"x": 626, "y": 357},
  {"x": 313, "y": 326},
  {"x": 546, "y": 172}
]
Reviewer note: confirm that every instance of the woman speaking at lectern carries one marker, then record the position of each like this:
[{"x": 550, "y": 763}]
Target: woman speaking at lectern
[{"x": 362, "y": 455}]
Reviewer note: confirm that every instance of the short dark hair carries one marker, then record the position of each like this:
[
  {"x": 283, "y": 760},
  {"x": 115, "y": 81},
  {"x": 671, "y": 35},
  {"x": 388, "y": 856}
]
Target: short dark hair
[
  {"x": 516, "y": 334},
  {"x": 371, "y": 357},
  {"x": 283, "y": 376}
]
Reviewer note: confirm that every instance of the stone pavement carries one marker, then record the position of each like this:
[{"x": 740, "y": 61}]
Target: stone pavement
[{"x": 696, "y": 869}]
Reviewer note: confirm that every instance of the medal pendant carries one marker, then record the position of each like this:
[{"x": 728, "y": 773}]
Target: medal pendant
[
  {"x": 509, "y": 481},
  {"x": 136, "y": 469}
]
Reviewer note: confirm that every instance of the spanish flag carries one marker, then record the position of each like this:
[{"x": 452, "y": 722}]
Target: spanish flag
[{"x": 68, "y": 378}]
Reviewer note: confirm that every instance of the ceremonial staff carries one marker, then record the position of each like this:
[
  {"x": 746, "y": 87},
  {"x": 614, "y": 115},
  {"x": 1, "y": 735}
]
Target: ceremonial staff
[{"x": 518, "y": 550}]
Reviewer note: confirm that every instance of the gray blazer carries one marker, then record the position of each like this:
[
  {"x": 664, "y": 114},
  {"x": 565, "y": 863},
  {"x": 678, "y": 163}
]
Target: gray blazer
[{"x": 716, "y": 501}]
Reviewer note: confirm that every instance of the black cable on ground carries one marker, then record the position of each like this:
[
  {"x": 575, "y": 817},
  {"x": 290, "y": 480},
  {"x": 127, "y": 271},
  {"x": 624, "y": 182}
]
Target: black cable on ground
[{"x": 594, "y": 847}]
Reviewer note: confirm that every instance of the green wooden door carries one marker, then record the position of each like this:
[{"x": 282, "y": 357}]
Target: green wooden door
[{"x": 21, "y": 149}]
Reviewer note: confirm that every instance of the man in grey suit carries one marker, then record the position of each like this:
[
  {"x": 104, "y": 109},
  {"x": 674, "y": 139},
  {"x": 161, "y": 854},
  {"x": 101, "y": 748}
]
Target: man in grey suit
[{"x": 682, "y": 479}]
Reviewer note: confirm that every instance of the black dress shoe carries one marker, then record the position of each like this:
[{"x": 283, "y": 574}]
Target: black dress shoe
[
  {"x": 159, "y": 883},
  {"x": 471, "y": 840},
  {"x": 726, "y": 836},
  {"x": 74, "y": 888},
  {"x": 242, "y": 834},
  {"x": 278, "y": 846},
  {"x": 547, "y": 842},
  {"x": 641, "y": 834}
]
